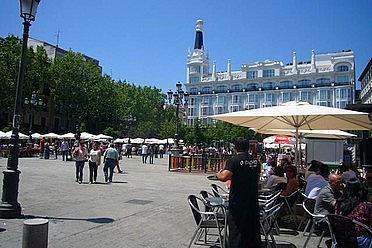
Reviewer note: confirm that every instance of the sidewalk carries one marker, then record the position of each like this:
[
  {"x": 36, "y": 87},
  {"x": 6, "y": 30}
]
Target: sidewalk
[{"x": 144, "y": 207}]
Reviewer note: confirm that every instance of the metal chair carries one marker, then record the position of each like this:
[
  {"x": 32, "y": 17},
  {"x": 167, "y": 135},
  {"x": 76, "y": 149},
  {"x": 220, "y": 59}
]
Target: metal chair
[
  {"x": 204, "y": 221},
  {"x": 309, "y": 206},
  {"x": 218, "y": 191},
  {"x": 268, "y": 216},
  {"x": 343, "y": 231},
  {"x": 289, "y": 201}
]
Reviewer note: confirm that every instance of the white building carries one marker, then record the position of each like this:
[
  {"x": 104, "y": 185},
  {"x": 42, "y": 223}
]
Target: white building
[
  {"x": 326, "y": 79},
  {"x": 366, "y": 82}
]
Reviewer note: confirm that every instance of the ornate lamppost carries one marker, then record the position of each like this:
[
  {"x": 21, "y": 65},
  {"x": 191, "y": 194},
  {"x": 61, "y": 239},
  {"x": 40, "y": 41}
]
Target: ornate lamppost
[
  {"x": 33, "y": 102},
  {"x": 9, "y": 207},
  {"x": 180, "y": 99}
]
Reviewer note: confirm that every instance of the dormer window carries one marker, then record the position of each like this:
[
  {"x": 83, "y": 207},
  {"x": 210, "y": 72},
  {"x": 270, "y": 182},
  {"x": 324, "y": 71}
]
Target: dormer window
[
  {"x": 342, "y": 68},
  {"x": 268, "y": 73}
]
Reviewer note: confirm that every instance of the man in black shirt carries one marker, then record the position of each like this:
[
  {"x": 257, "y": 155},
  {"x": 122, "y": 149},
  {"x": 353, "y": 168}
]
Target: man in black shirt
[{"x": 243, "y": 216}]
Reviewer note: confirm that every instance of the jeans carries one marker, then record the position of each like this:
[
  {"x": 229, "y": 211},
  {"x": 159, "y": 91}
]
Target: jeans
[
  {"x": 109, "y": 166},
  {"x": 64, "y": 155},
  {"x": 92, "y": 171},
  {"x": 144, "y": 158},
  {"x": 79, "y": 170},
  {"x": 151, "y": 158}
]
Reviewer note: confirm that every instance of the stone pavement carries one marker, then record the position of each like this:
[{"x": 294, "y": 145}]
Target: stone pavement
[{"x": 144, "y": 207}]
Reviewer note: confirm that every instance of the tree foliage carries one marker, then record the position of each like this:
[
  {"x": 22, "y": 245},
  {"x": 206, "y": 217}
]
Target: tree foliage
[{"x": 77, "y": 89}]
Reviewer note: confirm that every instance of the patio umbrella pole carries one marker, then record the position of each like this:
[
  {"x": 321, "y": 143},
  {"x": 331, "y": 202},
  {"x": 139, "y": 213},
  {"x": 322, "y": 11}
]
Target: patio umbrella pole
[{"x": 296, "y": 148}]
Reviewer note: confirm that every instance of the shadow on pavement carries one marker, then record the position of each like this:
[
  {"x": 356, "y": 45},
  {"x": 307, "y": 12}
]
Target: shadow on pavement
[{"x": 102, "y": 220}]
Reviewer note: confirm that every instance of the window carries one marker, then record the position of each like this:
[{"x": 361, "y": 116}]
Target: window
[
  {"x": 323, "y": 82},
  {"x": 286, "y": 97},
  {"x": 268, "y": 73},
  {"x": 190, "y": 122},
  {"x": 342, "y": 68},
  {"x": 195, "y": 69},
  {"x": 235, "y": 108},
  {"x": 235, "y": 100},
  {"x": 293, "y": 96},
  {"x": 206, "y": 100},
  {"x": 342, "y": 79},
  {"x": 192, "y": 101},
  {"x": 193, "y": 90},
  {"x": 219, "y": 110},
  {"x": 268, "y": 97},
  {"x": 268, "y": 86},
  {"x": 286, "y": 84},
  {"x": 194, "y": 80},
  {"x": 251, "y": 74},
  {"x": 252, "y": 86},
  {"x": 236, "y": 87},
  {"x": 191, "y": 111},
  {"x": 324, "y": 95},
  {"x": 221, "y": 100},
  {"x": 305, "y": 83},
  {"x": 204, "y": 111},
  {"x": 206, "y": 90},
  {"x": 305, "y": 96},
  {"x": 221, "y": 88},
  {"x": 252, "y": 98}
]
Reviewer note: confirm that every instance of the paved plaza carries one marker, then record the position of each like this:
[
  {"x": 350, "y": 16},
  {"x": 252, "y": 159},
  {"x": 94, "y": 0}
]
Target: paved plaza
[{"x": 144, "y": 207}]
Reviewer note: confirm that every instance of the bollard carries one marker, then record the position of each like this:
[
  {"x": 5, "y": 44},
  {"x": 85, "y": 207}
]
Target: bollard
[{"x": 35, "y": 233}]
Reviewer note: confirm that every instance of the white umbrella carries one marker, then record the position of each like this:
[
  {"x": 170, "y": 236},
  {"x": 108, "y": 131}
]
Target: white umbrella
[
  {"x": 298, "y": 115},
  {"x": 153, "y": 141},
  {"x": 68, "y": 136},
  {"x": 328, "y": 134},
  {"x": 36, "y": 136},
  {"x": 102, "y": 136},
  {"x": 85, "y": 135},
  {"x": 2, "y": 135},
  {"x": 51, "y": 136},
  {"x": 137, "y": 141},
  {"x": 9, "y": 134}
]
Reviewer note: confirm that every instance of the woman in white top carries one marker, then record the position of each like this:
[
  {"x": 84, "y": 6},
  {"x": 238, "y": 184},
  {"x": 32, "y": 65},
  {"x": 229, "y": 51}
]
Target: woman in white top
[{"x": 94, "y": 162}]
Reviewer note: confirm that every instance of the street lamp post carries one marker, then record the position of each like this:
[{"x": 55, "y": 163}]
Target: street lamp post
[
  {"x": 9, "y": 207},
  {"x": 33, "y": 102},
  {"x": 180, "y": 99}
]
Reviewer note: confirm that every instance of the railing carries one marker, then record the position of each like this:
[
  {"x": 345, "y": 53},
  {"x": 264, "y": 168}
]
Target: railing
[{"x": 195, "y": 163}]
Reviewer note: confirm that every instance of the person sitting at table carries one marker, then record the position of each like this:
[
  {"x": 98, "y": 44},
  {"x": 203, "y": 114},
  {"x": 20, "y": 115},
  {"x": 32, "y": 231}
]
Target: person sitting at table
[
  {"x": 327, "y": 199},
  {"x": 318, "y": 180},
  {"x": 312, "y": 168},
  {"x": 346, "y": 173},
  {"x": 292, "y": 182},
  {"x": 354, "y": 204},
  {"x": 276, "y": 178},
  {"x": 243, "y": 216}
]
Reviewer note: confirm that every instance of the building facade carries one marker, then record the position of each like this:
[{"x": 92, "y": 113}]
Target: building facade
[
  {"x": 326, "y": 79},
  {"x": 366, "y": 83}
]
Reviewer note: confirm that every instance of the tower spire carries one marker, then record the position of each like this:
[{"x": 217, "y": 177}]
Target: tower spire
[{"x": 199, "y": 35}]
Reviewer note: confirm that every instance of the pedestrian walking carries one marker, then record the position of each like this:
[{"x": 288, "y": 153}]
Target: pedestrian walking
[
  {"x": 161, "y": 150},
  {"x": 110, "y": 158},
  {"x": 144, "y": 153},
  {"x": 64, "y": 148},
  {"x": 151, "y": 152},
  {"x": 94, "y": 162},
  {"x": 80, "y": 155}
]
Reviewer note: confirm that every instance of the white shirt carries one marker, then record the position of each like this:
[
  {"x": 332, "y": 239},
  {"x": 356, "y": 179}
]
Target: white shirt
[
  {"x": 94, "y": 155},
  {"x": 144, "y": 149}
]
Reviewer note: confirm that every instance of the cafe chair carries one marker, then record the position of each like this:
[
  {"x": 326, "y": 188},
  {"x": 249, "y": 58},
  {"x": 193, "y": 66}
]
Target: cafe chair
[
  {"x": 289, "y": 203},
  {"x": 309, "y": 207},
  {"x": 268, "y": 216},
  {"x": 204, "y": 220},
  {"x": 218, "y": 191},
  {"x": 343, "y": 231}
]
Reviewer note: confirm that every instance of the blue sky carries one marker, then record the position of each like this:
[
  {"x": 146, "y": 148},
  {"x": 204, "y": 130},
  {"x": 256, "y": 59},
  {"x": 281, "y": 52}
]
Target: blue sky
[{"x": 146, "y": 42}]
